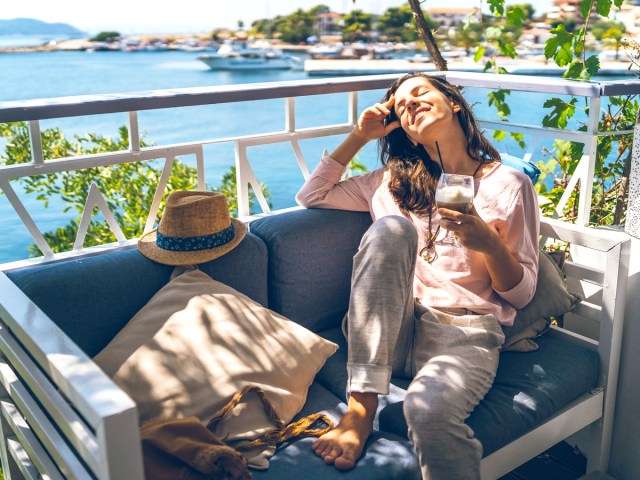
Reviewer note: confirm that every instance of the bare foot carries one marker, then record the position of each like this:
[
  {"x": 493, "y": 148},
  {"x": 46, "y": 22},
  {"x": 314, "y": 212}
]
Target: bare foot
[{"x": 344, "y": 445}]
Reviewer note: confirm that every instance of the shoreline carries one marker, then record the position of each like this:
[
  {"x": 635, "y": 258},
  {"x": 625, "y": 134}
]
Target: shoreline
[{"x": 353, "y": 67}]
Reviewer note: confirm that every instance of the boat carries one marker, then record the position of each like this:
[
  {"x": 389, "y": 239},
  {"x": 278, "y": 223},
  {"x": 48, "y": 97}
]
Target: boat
[{"x": 239, "y": 55}]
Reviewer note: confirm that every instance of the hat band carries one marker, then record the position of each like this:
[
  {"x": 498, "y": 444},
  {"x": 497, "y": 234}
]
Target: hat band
[{"x": 199, "y": 242}]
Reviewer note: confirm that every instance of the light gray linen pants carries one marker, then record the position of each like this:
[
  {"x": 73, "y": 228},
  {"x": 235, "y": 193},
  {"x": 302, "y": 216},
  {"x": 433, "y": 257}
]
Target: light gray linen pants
[{"x": 452, "y": 359}]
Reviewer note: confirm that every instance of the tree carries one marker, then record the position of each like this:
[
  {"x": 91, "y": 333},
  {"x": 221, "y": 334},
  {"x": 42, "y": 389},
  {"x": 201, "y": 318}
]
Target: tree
[
  {"x": 294, "y": 28},
  {"x": 128, "y": 188},
  {"x": 106, "y": 37},
  {"x": 610, "y": 33},
  {"x": 356, "y": 24},
  {"x": 397, "y": 24},
  {"x": 528, "y": 10},
  {"x": 469, "y": 36}
]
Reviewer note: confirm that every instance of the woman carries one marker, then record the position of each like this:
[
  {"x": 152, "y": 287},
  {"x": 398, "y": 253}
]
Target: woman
[{"x": 430, "y": 312}]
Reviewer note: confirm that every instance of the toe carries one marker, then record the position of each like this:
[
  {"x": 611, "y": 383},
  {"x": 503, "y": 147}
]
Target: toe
[
  {"x": 330, "y": 455},
  {"x": 346, "y": 461}
]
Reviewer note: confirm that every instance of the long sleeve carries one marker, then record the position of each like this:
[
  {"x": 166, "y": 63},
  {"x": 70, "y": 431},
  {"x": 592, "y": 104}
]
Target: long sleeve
[
  {"x": 520, "y": 232},
  {"x": 325, "y": 189}
]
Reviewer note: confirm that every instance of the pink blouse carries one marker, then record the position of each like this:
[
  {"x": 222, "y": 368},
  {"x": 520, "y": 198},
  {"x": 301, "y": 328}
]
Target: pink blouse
[{"x": 458, "y": 278}]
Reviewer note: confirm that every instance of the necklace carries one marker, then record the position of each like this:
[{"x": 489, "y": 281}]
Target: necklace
[{"x": 428, "y": 252}]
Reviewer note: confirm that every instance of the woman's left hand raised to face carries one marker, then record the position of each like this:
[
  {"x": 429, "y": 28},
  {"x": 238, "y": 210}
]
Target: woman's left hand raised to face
[
  {"x": 371, "y": 124},
  {"x": 471, "y": 231}
]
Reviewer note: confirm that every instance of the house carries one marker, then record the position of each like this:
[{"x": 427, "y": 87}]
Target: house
[{"x": 452, "y": 17}]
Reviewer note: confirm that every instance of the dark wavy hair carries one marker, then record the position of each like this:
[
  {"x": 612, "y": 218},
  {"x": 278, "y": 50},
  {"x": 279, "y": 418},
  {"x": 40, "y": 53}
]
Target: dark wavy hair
[{"x": 414, "y": 174}]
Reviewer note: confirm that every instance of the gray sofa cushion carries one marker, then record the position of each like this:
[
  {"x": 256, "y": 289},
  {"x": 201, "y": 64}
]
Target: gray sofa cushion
[
  {"x": 310, "y": 260},
  {"x": 528, "y": 389},
  {"x": 91, "y": 299}
]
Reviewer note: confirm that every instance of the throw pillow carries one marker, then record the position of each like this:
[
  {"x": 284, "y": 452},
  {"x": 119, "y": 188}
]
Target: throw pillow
[
  {"x": 197, "y": 342},
  {"x": 552, "y": 299}
]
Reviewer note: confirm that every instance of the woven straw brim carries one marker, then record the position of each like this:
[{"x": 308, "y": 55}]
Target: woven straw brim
[{"x": 147, "y": 246}]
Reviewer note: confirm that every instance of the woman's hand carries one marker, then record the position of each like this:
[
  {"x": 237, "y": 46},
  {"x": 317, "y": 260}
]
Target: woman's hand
[
  {"x": 370, "y": 127},
  {"x": 470, "y": 230},
  {"x": 473, "y": 233},
  {"x": 371, "y": 122}
]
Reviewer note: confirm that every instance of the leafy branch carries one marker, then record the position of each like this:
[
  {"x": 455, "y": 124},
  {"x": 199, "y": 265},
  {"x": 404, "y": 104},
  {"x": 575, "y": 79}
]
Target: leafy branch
[{"x": 128, "y": 188}]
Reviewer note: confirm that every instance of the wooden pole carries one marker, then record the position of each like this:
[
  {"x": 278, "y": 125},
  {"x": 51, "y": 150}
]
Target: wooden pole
[{"x": 427, "y": 36}]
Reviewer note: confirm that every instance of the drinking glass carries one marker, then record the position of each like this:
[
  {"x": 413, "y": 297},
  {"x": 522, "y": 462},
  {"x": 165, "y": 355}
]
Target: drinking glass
[{"x": 454, "y": 192}]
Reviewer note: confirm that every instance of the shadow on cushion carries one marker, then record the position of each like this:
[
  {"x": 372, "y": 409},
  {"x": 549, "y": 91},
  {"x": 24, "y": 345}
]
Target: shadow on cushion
[{"x": 527, "y": 390}]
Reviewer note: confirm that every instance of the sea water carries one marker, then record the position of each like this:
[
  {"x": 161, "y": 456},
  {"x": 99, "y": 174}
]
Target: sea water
[{"x": 55, "y": 74}]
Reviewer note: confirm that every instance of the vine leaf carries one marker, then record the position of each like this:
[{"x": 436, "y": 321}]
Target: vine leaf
[
  {"x": 561, "y": 113},
  {"x": 592, "y": 65},
  {"x": 496, "y": 7},
  {"x": 498, "y": 98},
  {"x": 603, "y": 7},
  {"x": 574, "y": 70},
  {"x": 516, "y": 16},
  {"x": 558, "y": 46}
]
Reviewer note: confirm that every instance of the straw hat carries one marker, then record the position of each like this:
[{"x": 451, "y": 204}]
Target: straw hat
[{"x": 195, "y": 227}]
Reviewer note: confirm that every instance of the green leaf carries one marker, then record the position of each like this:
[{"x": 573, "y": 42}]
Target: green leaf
[
  {"x": 576, "y": 151},
  {"x": 562, "y": 112},
  {"x": 516, "y": 16},
  {"x": 592, "y": 65},
  {"x": 574, "y": 70},
  {"x": 488, "y": 66},
  {"x": 496, "y": 7},
  {"x": 497, "y": 99},
  {"x": 558, "y": 46},
  {"x": 585, "y": 7},
  {"x": 507, "y": 49},
  {"x": 603, "y": 7},
  {"x": 577, "y": 44},
  {"x": 519, "y": 138},
  {"x": 479, "y": 54}
]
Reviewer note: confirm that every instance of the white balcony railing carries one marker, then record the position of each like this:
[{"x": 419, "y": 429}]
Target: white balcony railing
[{"x": 35, "y": 111}]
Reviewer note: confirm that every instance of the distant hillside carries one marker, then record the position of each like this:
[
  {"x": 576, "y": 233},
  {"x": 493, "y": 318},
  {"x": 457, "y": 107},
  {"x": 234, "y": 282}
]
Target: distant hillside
[{"x": 30, "y": 26}]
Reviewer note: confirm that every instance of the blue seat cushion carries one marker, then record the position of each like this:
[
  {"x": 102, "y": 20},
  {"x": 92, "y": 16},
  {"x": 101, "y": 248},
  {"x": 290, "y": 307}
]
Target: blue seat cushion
[
  {"x": 528, "y": 389},
  {"x": 531, "y": 170},
  {"x": 386, "y": 456},
  {"x": 310, "y": 261},
  {"x": 92, "y": 298}
]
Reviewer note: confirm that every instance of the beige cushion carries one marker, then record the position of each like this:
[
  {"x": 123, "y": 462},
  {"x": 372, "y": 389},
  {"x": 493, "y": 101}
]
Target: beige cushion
[
  {"x": 552, "y": 299},
  {"x": 198, "y": 341}
]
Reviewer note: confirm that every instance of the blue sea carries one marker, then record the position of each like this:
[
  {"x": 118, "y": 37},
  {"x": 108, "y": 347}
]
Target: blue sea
[{"x": 55, "y": 74}]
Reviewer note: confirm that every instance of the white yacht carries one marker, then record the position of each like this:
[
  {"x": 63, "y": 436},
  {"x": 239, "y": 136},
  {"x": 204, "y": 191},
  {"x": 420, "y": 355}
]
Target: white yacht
[{"x": 238, "y": 55}]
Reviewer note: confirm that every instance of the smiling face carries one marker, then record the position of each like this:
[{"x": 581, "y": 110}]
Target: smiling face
[{"x": 419, "y": 105}]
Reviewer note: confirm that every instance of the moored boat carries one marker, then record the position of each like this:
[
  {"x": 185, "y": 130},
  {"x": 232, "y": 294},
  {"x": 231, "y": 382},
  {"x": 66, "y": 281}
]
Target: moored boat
[{"x": 238, "y": 55}]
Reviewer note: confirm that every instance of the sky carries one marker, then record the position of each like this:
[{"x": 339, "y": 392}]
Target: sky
[{"x": 193, "y": 16}]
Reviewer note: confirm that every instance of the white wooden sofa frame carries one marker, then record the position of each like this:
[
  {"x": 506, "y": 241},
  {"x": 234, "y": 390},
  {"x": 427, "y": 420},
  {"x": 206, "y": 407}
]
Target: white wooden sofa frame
[{"x": 62, "y": 417}]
